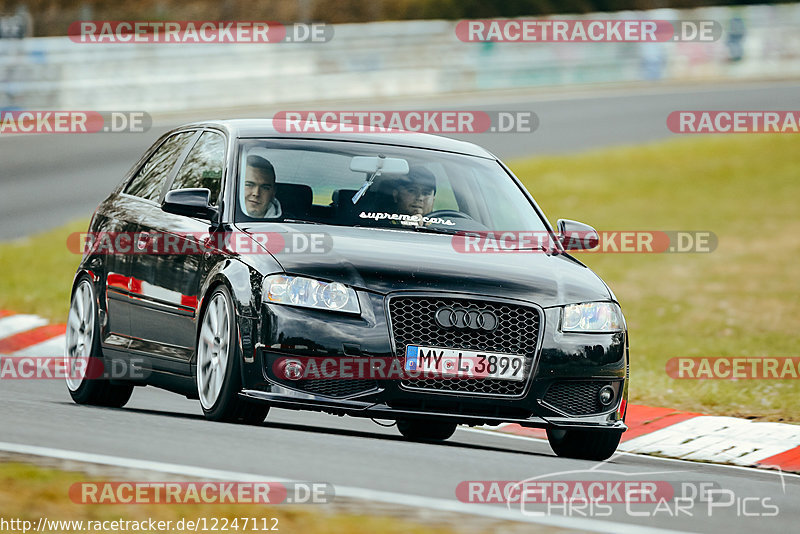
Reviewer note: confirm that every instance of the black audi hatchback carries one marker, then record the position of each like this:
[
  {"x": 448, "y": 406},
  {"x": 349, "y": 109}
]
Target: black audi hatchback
[{"x": 388, "y": 275}]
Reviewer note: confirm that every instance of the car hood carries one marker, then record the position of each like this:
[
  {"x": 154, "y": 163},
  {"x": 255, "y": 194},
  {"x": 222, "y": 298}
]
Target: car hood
[{"x": 386, "y": 260}]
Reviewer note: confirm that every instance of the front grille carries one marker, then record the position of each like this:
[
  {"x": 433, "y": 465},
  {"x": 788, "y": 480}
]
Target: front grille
[
  {"x": 577, "y": 397},
  {"x": 413, "y": 323},
  {"x": 335, "y": 388}
]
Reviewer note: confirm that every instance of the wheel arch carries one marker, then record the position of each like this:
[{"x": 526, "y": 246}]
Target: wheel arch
[
  {"x": 238, "y": 278},
  {"x": 243, "y": 282},
  {"x": 80, "y": 273},
  {"x": 99, "y": 290}
]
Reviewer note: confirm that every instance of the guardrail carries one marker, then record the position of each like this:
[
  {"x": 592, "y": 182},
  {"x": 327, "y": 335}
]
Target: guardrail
[{"x": 382, "y": 59}]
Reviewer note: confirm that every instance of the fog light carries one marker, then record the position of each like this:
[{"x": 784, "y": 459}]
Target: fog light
[
  {"x": 292, "y": 370},
  {"x": 606, "y": 395}
]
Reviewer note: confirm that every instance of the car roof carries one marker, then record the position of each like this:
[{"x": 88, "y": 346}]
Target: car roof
[{"x": 247, "y": 128}]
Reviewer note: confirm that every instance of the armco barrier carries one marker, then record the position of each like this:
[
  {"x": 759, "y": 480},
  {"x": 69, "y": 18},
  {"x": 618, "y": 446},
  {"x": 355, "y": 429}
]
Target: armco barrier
[{"x": 382, "y": 59}]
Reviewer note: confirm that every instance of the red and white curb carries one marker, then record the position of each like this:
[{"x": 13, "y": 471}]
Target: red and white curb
[
  {"x": 707, "y": 438},
  {"x": 30, "y": 335},
  {"x": 658, "y": 431}
]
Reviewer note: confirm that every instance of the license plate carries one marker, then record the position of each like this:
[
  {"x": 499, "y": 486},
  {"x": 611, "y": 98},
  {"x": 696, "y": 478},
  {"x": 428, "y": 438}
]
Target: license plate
[{"x": 457, "y": 363}]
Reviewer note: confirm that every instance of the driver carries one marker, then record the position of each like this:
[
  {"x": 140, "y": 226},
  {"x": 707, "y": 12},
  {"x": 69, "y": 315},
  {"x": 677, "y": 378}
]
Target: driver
[
  {"x": 259, "y": 188},
  {"x": 415, "y": 192}
]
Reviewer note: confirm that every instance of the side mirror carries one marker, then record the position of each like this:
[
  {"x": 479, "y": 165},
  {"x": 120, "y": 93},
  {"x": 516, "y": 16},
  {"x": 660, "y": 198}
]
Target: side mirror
[
  {"x": 575, "y": 235},
  {"x": 194, "y": 202}
]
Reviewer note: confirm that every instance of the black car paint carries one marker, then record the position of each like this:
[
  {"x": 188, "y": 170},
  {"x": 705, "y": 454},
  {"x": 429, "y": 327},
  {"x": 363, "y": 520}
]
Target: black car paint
[{"x": 377, "y": 263}]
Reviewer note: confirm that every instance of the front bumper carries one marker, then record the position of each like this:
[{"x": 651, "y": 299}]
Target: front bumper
[{"x": 565, "y": 371}]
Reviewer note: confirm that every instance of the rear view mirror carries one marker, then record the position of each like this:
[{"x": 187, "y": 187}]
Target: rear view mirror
[
  {"x": 373, "y": 164},
  {"x": 575, "y": 235},
  {"x": 192, "y": 202}
]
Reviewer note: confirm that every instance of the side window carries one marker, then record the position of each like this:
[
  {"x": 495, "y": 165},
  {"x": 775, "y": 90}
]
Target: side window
[
  {"x": 151, "y": 177},
  {"x": 203, "y": 166}
]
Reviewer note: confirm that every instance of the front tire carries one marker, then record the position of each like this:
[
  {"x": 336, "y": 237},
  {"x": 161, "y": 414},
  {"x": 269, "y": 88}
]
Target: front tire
[
  {"x": 584, "y": 444},
  {"x": 218, "y": 365},
  {"x": 420, "y": 430},
  {"x": 83, "y": 356}
]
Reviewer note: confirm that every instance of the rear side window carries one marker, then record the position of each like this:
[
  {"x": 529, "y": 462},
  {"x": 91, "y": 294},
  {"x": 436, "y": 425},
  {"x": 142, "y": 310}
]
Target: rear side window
[
  {"x": 203, "y": 166},
  {"x": 150, "y": 179}
]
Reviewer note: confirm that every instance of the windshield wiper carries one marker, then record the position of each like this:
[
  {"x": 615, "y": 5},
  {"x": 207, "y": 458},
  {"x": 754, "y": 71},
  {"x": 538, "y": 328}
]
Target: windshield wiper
[{"x": 429, "y": 230}]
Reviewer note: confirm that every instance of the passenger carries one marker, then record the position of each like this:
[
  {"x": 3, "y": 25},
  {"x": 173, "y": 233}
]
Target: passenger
[{"x": 259, "y": 189}]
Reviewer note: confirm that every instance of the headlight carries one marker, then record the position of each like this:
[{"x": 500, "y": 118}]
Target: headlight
[
  {"x": 310, "y": 293},
  {"x": 592, "y": 317}
]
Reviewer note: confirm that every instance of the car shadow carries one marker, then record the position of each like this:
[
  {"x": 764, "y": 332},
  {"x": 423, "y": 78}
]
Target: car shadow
[
  {"x": 147, "y": 411},
  {"x": 452, "y": 442},
  {"x": 316, "y": 429}
]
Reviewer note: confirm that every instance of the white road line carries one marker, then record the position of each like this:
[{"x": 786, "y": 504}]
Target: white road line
[
  {"x": 443, "y": 505},
  {"x": 649, "y": 457},
  {"x": 602, "y": 91},
  {"x": 16, "y": 324}
]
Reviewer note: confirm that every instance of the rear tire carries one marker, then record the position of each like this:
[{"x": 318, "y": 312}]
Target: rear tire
[
  {"x": 85, "y": 364},
  {"x": 218, "y": 373},
  {"x": 584, "y": 444},
  {"x": 421, "y": 430}
]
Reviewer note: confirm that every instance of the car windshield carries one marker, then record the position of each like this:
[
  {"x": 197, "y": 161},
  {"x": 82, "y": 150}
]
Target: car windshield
[{"x": 363, "y": 184}]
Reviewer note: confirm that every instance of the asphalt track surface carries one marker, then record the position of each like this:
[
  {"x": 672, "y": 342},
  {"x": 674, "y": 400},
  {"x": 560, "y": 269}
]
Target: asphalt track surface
[
  {"x": 47, "y": 180},
  {"x": 356, "y": 453}
]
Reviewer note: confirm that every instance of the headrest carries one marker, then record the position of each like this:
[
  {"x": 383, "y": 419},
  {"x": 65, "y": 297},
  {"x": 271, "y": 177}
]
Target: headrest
[{"x": 295, "y": 199}]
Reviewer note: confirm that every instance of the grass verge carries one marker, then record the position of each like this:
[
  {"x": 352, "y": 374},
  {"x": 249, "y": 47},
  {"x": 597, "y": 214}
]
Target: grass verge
[
  {"x": 743, "y": 299},
  {"x": 37, "y": 272}
]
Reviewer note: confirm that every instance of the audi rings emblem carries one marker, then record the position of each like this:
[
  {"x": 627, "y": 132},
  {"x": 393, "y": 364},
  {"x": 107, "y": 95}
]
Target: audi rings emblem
[{"x": 463, "y": 318}]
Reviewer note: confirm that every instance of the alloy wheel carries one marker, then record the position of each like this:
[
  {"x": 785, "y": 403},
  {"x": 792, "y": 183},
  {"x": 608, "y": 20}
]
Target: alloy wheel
[{"x": 213, "y": 351}]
